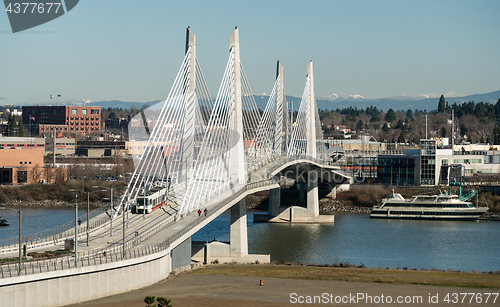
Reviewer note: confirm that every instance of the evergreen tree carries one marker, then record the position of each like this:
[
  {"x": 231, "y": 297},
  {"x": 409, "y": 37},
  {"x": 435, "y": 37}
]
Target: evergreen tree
[
  {"x": 375, "y": 118},
  {"x": 20, "y": 126},
  {"x": 359, "y": 125},
  {"x": 443, "y": 132},
  {"x": 401, "y": 138},
  {"x": 390, "y": 116},
  {"x": 11, "y": 122},
  {"x": 385, "y": 128},
  {"x": 409, "y": 113},
  {"x": 463, "y": 129},
  {"x": 496, "y": 136},
  {"x": 441, "y": 104},
  {"x": 399, "y": 125}
]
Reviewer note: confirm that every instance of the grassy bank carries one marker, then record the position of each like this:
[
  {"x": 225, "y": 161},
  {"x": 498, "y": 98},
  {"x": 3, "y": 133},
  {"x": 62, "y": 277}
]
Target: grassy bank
[
  {"x": 38, "y": 256},
  {"x": 431, "y": 277}
]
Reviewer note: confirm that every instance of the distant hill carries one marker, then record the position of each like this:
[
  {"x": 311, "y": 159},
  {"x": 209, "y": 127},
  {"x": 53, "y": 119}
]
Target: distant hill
[
  {"x": 330, "y": 103},
  {"x": 403, "y": 104},
  {"x": 121, "y": 104}
]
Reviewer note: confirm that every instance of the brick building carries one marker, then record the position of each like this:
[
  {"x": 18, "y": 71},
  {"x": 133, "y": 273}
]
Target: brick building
[
  {"x": 20, "y": 165},
  {"x": 74, "y": 121}
]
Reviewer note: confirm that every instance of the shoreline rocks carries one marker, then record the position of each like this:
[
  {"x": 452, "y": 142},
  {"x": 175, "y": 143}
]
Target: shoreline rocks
[{"x": 330, "y": 205}]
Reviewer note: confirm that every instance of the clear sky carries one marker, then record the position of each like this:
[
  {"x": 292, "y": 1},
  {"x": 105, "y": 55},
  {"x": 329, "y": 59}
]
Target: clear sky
[{"x": 131, "y": 50}]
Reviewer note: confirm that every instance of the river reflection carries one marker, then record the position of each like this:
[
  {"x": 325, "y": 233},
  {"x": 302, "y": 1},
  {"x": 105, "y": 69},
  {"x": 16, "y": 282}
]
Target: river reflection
[{"x": 357, "y": 239}]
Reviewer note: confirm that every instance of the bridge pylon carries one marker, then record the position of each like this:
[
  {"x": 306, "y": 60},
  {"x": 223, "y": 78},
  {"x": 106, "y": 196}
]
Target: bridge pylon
[
  {"x": 187, "y": 142},
  {"x": 237, "y": 151}
]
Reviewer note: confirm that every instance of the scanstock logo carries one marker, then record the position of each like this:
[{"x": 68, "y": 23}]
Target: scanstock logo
[{"x": 27, "y": 15}]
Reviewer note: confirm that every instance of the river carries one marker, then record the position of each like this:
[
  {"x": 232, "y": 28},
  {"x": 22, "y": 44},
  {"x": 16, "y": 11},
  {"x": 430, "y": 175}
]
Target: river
[
  {"x": 356, "y": 239},
  {"x": 353, "y": 238}
]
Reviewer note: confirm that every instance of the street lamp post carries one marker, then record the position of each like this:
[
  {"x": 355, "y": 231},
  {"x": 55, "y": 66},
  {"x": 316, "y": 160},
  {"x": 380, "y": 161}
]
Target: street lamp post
[
  {"x": 144, "y": 202},
  {"x": 123, "y": 228},
  {"x": 111, "y": 209},
  {"x": 20, "y": 235},
  {"x": 88, "y": 209},
  {"x": 76, "y": 231},
  {"x": 88, "y": 217},
  {"x": 111, "y": 215}
]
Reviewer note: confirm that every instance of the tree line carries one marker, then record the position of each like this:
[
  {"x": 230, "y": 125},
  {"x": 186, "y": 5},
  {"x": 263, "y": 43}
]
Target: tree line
[{"x": 474, "y": 122}]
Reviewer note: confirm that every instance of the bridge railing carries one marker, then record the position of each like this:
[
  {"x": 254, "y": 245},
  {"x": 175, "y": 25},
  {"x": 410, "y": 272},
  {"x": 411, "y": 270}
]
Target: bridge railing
[
  {"x": 85, "y": 259},
  {"x": 116, "y": 253},
  {"x": 213, "y": 210},
  {"x": 98, "y": 218}
]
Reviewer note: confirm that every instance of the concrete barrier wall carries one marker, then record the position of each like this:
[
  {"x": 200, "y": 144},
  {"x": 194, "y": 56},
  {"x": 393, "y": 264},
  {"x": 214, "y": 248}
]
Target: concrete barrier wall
[{"x": 77, "y": 285}]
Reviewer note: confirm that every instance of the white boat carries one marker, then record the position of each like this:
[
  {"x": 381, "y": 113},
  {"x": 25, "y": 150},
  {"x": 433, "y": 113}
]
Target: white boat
[{"x": 442, "y": 206}]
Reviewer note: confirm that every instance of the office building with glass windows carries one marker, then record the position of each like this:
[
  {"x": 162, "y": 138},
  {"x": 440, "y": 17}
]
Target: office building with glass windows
[{"x": 430, "y": 164}]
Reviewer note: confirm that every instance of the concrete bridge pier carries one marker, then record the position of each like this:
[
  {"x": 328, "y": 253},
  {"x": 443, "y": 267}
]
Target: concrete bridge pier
[
  {"x": 333, "y": 193},
  {"x": 238, "y": 235},
  {"x": 301, "y": 187},
  {"x": 274, "y": 202},
  {"x": 236, "y": 250},
  {"x": 312, "y": 195}
]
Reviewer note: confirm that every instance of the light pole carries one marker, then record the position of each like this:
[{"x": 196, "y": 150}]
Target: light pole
[
  {"x": 123, "y": 228},
  {"x": 110, "y": 210},
  {"x": 144, "y": 202},
  {"x": 20, "y": 234},
  {"x": 76, "y": 231},
  {"x": 88, "y": 209}
]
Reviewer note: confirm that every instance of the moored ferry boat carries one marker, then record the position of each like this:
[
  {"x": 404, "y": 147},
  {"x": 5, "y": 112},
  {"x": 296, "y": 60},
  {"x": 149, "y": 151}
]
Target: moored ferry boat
[{"x": 442, "y": 206}]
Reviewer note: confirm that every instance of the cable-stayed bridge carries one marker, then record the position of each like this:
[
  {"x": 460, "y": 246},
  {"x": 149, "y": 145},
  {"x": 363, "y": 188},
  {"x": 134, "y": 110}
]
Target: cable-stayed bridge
[
  {"x": 200, "y": 154},
  {"x": 199, "y": 148}
]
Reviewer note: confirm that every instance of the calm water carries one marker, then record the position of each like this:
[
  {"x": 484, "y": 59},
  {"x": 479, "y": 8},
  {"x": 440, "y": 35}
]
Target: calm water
[
  {"x": 357, "y": 239},
  {"x": 35, "y": 219},
  {"x": 353, "y": 238}
]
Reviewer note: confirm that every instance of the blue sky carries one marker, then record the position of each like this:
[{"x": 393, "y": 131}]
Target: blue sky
[{"x": 131, "y": 50}]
